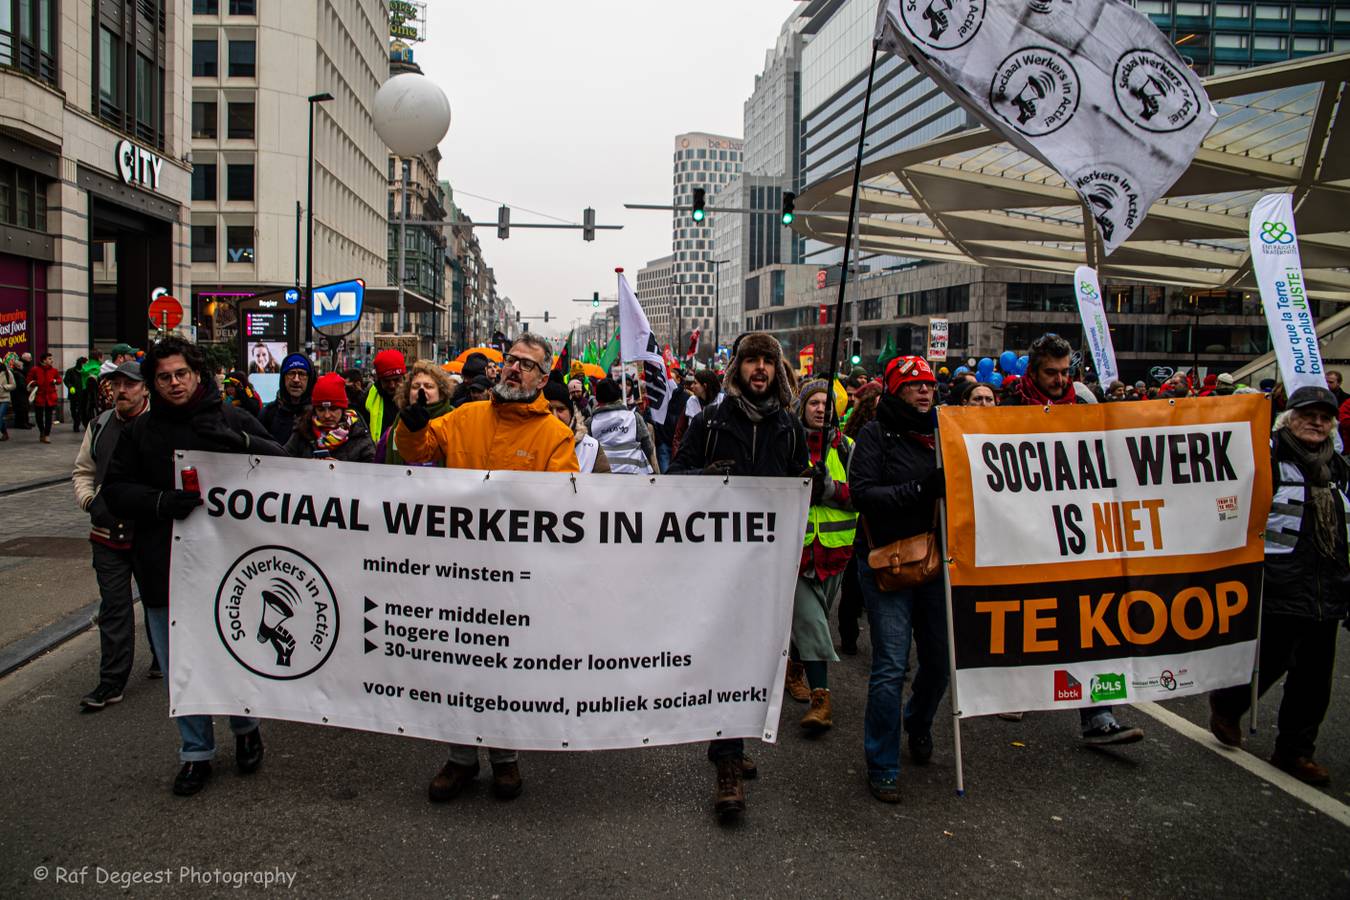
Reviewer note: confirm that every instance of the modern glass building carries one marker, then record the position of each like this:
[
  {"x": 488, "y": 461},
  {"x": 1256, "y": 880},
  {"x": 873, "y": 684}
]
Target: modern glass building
[{"x": 1217, "y": 38}]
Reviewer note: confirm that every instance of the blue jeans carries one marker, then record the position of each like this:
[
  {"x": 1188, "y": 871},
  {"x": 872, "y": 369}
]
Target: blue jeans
[
  {"x": 4, "y": 411},
  {"x": 895, "y": 617},
  {"x": 663, "y": 457},
  {"x": 197, "y": 732}
]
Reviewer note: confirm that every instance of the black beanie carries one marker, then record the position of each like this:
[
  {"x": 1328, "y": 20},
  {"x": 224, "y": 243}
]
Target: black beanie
[
  {"x": 607, "y": 390},
  {"x": 557, "y": 393}
]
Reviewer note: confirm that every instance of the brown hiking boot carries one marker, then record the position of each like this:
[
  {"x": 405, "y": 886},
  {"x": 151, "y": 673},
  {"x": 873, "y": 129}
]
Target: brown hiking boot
[
  {"x": 450, "y": 780},
  {"x": 1226, "y": 729},
  {"x": 796, "y": 682},
  {"x": 506, "y": 781},
  {"x": 817, "y": 718},
  {"x": 1303, "y": 768},
  {"x": 730, "y": 797},
  {"x": 748, "y": 768}
]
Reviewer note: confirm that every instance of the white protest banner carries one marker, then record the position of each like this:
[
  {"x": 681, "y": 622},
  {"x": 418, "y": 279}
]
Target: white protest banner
[
  {"x": 508, "y": 609},
  {"x": 1279, "y": 275},
  {"x": 938, "y": 331},
  {"x": 1096, "y": 333},
  {"x": 1090, "y": 86},
  {"x": 1104, "y": 554}
]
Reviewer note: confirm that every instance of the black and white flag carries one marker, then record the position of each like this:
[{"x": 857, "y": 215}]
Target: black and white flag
[
  {"x": 1090, "y": 87},
  {"x": 638, "y": 344}
]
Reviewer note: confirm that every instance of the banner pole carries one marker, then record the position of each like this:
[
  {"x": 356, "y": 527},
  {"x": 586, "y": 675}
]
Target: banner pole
[
  {"x": 623, "y": 364},
  {"x": 848, "y": 233},
  {"x": 951, "y": 638},
  {"x": 1256, "y": 662}
]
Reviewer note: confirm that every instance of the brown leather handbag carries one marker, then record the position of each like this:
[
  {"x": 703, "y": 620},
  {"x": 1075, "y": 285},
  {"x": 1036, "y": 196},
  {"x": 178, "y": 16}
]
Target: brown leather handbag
[{"x": 906, "y": 563}]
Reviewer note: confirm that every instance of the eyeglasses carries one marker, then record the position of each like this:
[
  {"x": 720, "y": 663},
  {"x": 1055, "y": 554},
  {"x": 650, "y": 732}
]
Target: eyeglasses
[
  {"x": 170, "y": 377},
  {"x": 525, "y": 364}
]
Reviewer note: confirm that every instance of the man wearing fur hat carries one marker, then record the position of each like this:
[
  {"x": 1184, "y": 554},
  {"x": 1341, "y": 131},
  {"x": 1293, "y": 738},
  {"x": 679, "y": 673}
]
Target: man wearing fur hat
[{"x": 751, "y": 432}]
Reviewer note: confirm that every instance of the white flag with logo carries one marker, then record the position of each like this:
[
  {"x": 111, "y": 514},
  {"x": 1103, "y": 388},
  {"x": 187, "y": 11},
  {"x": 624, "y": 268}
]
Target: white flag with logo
[
  {"x": 1096, "y": 333},
  {"x": 638, "y": 344},
  {"x": 1279, "y": 274},
  {"x": 1091, "y": 87}
]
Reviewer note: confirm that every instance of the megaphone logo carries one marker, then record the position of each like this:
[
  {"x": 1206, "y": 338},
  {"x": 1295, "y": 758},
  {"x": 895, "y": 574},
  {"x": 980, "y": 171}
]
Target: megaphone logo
[
  {"x": 277, "y": 614},
  {"x": 278, "y": 605}
]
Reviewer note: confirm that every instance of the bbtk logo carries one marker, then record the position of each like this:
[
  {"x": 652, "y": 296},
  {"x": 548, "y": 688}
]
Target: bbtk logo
[{"x": 1067, "y": 687}]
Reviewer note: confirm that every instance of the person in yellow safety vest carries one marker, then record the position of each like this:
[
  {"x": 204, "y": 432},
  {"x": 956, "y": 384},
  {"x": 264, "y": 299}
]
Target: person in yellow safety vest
[
  {"x": 381, "y": 407},
  {"x": 826, "y": 549}
]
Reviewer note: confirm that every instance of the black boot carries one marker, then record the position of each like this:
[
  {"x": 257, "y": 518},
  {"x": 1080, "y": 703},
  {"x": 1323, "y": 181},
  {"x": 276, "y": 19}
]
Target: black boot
[
  {"x": 248, "y": 751},
  {"x": 192, "y": 778}
]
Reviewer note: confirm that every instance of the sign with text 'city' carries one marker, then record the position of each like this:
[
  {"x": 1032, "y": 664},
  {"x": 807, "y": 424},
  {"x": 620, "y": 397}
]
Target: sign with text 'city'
[
  {"x": 1104, "y": 554},
  {"x": 338, "y": 304},
  {"x": 465, "y": 606}
]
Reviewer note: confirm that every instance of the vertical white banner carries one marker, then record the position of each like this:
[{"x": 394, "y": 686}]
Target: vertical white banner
[
  {"x": 1096, "y": 333},
  {"x": 1279, "y": 274}
]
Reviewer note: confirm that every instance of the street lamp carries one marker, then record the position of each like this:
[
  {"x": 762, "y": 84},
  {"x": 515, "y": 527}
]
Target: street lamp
[
  {"x": 309, "y": 212},
  {"x": 411, "y": 116}
]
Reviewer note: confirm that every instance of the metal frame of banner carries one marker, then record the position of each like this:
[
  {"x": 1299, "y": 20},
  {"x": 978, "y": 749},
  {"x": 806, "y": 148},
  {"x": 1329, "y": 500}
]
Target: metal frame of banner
[
  {"x": 1256, "y": 659},
  {"x": 951, "y": 636},
  {"x": 848, "y": 232}
]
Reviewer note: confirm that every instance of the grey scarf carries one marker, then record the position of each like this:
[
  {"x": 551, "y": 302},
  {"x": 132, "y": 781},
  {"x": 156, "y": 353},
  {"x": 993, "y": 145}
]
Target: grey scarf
[
  {"x": 758, "y": 411},
  {"x": 1322, "y": 495}
]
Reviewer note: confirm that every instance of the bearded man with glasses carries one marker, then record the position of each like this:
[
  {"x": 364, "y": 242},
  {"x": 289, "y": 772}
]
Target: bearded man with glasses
[{"x": 515, "y": 430}]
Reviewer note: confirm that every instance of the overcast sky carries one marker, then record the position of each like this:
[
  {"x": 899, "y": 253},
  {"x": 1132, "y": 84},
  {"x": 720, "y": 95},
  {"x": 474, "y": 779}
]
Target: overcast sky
[{"x": 560, "y": 106}]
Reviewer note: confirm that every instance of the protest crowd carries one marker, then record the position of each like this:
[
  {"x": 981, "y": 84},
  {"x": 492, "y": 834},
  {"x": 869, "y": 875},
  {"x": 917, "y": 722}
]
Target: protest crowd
[{"x": 866, "y": 441}]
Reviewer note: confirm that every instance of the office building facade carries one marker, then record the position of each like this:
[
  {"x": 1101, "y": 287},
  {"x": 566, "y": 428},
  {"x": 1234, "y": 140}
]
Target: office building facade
[
  {"x": 1218, "y": 38},
  {"x": 707, "y": 161}
]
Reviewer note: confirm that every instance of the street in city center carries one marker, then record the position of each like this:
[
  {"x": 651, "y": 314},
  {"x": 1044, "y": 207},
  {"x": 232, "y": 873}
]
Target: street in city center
[{"x": 344, "y": 813}]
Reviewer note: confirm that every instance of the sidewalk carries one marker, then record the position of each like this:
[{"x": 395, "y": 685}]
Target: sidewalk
[{"x": 23, "y": 460}]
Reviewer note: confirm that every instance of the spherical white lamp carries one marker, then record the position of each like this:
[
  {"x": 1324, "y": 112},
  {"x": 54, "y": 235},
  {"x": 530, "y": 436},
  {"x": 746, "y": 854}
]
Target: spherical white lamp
[{"x": 411, "y": 114}]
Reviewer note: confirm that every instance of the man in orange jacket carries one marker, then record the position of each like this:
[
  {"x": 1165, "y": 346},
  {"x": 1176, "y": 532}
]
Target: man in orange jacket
[{"x": 514, "y": 430}]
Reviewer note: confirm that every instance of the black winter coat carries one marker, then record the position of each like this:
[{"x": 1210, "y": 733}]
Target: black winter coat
[
  {"x": 885, "y": 479},
  {"x": 143, "y": 468},
  {"x": 773, "y": 447},
  {"x": 1304, "y": 583},
  {"x": 358, "y": 447}
]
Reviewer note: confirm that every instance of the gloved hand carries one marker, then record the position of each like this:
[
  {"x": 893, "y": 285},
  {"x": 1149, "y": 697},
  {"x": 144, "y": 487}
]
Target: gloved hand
[
  {"x": 217, "y": 432},
  {"x": 177, "y": 504},
  {"x": 818, "y": 477},
  {"x": 417, "y": 416},
  {"x": 934, "y": 485},
  {"x": 719, "y": 467}
]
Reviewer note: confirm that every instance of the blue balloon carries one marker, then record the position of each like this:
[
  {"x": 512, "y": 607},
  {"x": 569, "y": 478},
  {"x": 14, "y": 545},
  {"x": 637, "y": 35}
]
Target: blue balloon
[
  {"x": 960, "y": 369},
  {"x": 996, "y": 380},
  {"x": 1022, "y": 362},
  {"x": 986, "y": 365},
  {"x": 1007, "y": 361}
]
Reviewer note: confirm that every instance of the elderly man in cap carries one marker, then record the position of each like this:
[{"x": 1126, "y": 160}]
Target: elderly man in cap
[
  {"x": 118, "y": 354},
  {"x": 1307, "y": 585},
  {"x": 381, "y": 409},
  {"x": 110, "y": 536}
]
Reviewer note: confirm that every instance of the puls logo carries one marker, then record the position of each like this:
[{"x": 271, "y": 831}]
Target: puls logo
[
  {"x": 1152, "y": 93},
  {"x": 943, "y": 24},
  {"x": 1035, "y": 90},
  {"x": 276, "y": 613},
  {"x": 1067, "y": 687},
  {"x": 1113, "y": 199},
  {"x": 1276, "y": 233},
  {"x": 1108, "y": 686}
]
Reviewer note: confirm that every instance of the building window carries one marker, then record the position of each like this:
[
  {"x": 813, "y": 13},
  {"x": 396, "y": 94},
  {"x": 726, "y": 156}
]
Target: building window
[
  {"x": 1230, "y": 41},
  {"x": 23, "y": 198},
  {"x": 240, "y": 123},
  {"x": 204, "y": 243},
  {"x": 203, "y": 119},
  {"x": 1269, "y": 42},
  {"x": 1192, "y": 9},
  {"x": 239, "y": 244},
  {"x": 1152, "y": 7},
  {"x": 204, "y": 181},
  {"x": 243, "y": 59},
  {"x": 32, "y": 49},
  {"x": 1230, "y": 10},
  {"x": 128, "y": 68},
  {"x": 109, "y": 80},
  {"x": 147, "y": 94},
  {"x": 239, "y": 181},
  {"x": 1311, "y": 14},
  {"x": 1310, "y": 44},
  {"x": 243, "y": 8},
  {"x": 205, "y": 59},
  {"x": 1271, "y": 11},
  {"x": 205, "y": 7}
]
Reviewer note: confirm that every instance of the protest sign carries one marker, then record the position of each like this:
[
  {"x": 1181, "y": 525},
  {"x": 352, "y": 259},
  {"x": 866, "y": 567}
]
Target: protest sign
[
  {"x": 938, "y": 332},
  {"x": 1104, "y": 554},
  {"x": 510, "y": 609},
  {"x": 1279, "y": 275},
  {"x": 1096, "y": 333}
]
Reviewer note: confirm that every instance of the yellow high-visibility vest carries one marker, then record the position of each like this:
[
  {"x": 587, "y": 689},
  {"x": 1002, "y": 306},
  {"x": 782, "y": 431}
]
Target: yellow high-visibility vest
[{"x": 834, "y": 527}]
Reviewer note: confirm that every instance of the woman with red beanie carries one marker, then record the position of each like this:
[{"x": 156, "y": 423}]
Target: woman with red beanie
[
  {"x": 330, "y": 429},
  {"x": 896, "y": 483}
]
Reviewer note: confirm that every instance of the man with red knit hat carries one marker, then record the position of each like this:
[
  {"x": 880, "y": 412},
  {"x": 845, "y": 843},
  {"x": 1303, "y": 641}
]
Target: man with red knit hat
[{"x": 380, "y": 410}]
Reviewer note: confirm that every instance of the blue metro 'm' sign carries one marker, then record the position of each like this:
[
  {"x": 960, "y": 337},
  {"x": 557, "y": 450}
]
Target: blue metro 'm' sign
[{"x": 337, "y": 304}]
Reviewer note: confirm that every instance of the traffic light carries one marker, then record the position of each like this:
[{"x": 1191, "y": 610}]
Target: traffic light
[
  {"x": 588, "y": 224},
  {"x": 789, "y": 207},
  {"x": 545, "y": 317},
  {"x": 855, "y": 351},
  {"x": 595, "y": 298},
  {"x": 503, "y": 222},
  {"x": 700, "y": 200}
]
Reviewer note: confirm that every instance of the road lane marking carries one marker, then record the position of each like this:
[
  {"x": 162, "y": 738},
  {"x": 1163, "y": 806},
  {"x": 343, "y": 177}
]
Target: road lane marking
[{"x": 1301, "y": 792}]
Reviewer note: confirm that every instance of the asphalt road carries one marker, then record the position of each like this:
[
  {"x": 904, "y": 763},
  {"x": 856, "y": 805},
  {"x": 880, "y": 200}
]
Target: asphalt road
[{"x": 344, "y": 813}]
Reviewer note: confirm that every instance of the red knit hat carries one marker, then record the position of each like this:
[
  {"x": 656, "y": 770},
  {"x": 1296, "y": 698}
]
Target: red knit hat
[
  {"x": 330, "y": 390},
  {"x": 389, "y": 362},
  {"x": 905, "y": 370}
]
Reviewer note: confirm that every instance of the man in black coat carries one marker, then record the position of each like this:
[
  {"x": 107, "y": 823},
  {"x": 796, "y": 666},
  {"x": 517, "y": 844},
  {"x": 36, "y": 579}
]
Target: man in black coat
[
  {"x": 292, "y": 399},
  {"x": 186, "y": 413},
  {"x": 751, "y": 432}
]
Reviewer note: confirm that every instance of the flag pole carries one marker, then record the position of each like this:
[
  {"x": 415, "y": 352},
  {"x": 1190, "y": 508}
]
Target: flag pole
[
  {"x": 951, "y": 635},
  {"x": 623, "y": 363},
  {"x": 1256, "y": 661},
  {"x": 848, "y": 233}
]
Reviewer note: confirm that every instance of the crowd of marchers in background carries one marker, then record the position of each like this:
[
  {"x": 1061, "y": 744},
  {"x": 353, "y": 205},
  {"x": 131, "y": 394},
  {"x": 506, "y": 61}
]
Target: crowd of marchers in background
[{"x": 867, "y": 444}]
